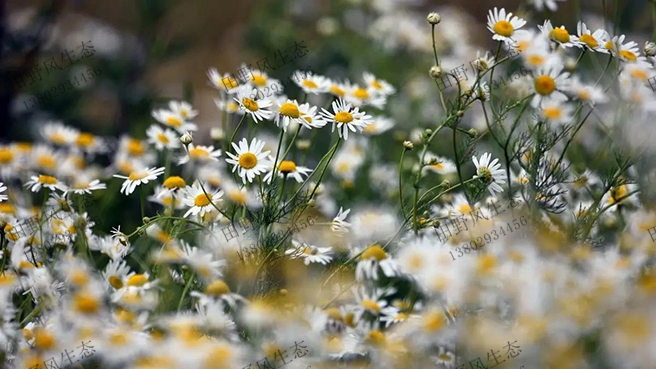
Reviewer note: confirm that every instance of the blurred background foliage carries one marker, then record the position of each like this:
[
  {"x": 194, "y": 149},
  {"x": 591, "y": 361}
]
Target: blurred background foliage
[{"x": 152, "y": 51}]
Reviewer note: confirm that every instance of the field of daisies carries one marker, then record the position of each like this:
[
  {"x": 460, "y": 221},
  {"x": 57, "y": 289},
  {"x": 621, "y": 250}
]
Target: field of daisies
[{"x": 493, "y": 210}]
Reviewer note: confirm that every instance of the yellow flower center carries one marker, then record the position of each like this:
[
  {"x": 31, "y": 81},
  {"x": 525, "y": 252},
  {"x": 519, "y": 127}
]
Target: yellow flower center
[
  {"x": 376, "y": 338},
  {"x": 344, "y": 117},
  {"x": 617, "y": 194},
  {"x": 628, "y": 55},
  {"x": 375, "y": 252},
  {"x": 198, "y": 153},
  {"x": 250, "y": 104},
  {"x": 290, "y": 110},
  {"x": 118, "y": 339},
  {"x": 259, "y": 80},
  {"x": 361, "y": 93},
  {"x": 287, "y": 167},
  {"x": 545, "y": 85},
  {"x": 247, "y": 160},
  {"x": 371, "y": 305},
  {"x": 135, "y": 148},
  {"x": 174, "y": 182},
  {"x": 218, "y": 357},
  {"x": 58, "y": 138},
  {"x": 609, "y": 46},
  {"x": 536, "y": 60},
  {"x": 137, "y": 280},
  {"x": 589, "y": 40},
  {"x": 465, "y": 209},
  {"x": 640, "y": 74},
  {"x": 238, "y": 197},
  {"x": 229, "y": 83},
  {"x": 162, "y": 138},
  {"x": 337, "y": 91},
  {"x": 173, "y": 121},
  {"x": 553, "y": 113},
  {"x": 504, "y": 28},
  {"x": 486, "y": 263},
  {"x": 334, "y": 314},
  {"x": 6, "y": 156},
  {"x": 47, "y": 179},
  {"x": 522, "y": 45},
  {"x": 375, "y": 84},
  {"x": 202, "y": 200},
  {"x": 135, "y": 176},
  {"x": 309, "y": 84},
  {"x": 43, "y": 340},
  {"x": 584, "y": 95},
  {"x": 85, "y": 139},
  {"x": 79, "y": 278},
  {"x": 86, "y": 304},
  {"x": 217, "y": 288},
  {"x": 560, "y": 35},
  {"x": 433, "y": 321},
  {"x": 115, "y": 282},
  {"x": 47, "y": 162}
]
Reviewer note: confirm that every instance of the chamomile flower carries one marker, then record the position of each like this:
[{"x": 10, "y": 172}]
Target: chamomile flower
[
  {"x": 226, "y": 82},
  {"x": 249, "y": 161},
  {"x": 627, "y": 52},
  {"x": 378, "y": 85},
  {"x": 557, "y": 113},
  {"x": 288, "y": 111},
  {"x": 162, "y": 138},
  {"x": 378, "y": 125},
  {"x": 338, "y": 225},
  {"x": 115, "y": 273},
  {"x": 259, "y": 109},
  {"x": 593, "y": 41},
  {"x": 587, "y": 93},
  {"x": 537, "y": 54},
  {"x": 173, "y": 120},
  {"x": 504, "y": 26},
  {"x": 138, "y": 177},
  {"x": 310, "y": 83},
  {"x": 200, "y": 203},
  {"x": 82, "y": 184},
  {"x": 59, "y": 134},
  {"x": 259, "y": 79},
  {"x": 559, "y": 35},
  {"x": 549, "y": 84},
  {"x": 310, "y": 253},
  {"x": 49, "y": 182},
  {"x": 240, "y": 196},
  {"x": 439, "y": 164},
  {"x": 483, "y": 62},
  {"x": 309, "y": 117},
  {"x": 640, "y": 71},
  {"x": 183, "y": 109},
  {"x": 359, "y": 96},
  {"x": 490, "y": 172},
  {"x": 228, "y": 105},
  {"x": 288, "y": 168},
  {"x": 346, "y": 118},
  {"x": 3, "y": 188},
  {"x": 200, "y": 154},
  {"x": 373, "y": 258},
  {"x": 338, "y": 89}
]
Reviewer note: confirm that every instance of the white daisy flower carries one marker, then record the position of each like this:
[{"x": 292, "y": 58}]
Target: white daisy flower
[
  {"x": 310, "y": 253},
  {"x": 346, "y": 118},
  {"x": 558, "y": 113},
  {"x": 587, "y": 93},
  {"x": 198, "y": 201},
  {"x": 226, "y": 82},
  {"x": 484, "y": 62},
  {"x": 593, "y": 41},
  {"x": 490, "y": 172},
  {"x": 42, "y": 180},
  {"x": 84, "y": 185},
  {"x": 138, "y": 177},
  {"x": 379, "y": 85},
  {"x": 629, "y": 52},
  {"x": 359, "y": 96},
  {"x": 288, "y": 111},
  {"x": 200, "y": 154},
  {"x": 183, "y": 109},
  {"x": 559, "y": 35},
  {"x": 548, "y": 83},
  {"x": 338, "y": 89},
  {"x": 504, "y": 26},
  {"x": 240, "y": 196},
  {"x": 309, "y": 117},
  {"x": 59, "y": 134},
  {"x": 3, "y": 188},
  {"x": 254, "y": 102},
  {"x": 338, "y": 225},
  {"x": 373, "y": 258},
  {"x": 250, "y": 161},
  {"x": 640, "y": 71},
  {"x": 173, "y": 120},
  {"x": 310, "y": 83},
  {"x": 378, "y": 125},
  {"x": 228, "y": 105},
  {"x": 258, "y": 79},
  {"x": 287, "y": 168},
  {"x": 538, "y": 55},
  {"x": 439, "y": 164},
  {"x": 162, "y": 138}
]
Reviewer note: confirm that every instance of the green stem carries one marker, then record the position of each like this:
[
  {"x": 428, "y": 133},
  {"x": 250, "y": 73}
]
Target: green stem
[
  {"x": 143, "y": 202},
  {"x": 401, "y": 183},
  {"x": 235, "y": 132},
  {"x": 186, "y": 289}
]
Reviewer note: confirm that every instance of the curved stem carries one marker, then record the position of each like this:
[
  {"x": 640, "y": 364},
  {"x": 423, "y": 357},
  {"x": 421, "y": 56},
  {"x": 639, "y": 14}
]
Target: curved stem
[{"x": 234, "y": 133}]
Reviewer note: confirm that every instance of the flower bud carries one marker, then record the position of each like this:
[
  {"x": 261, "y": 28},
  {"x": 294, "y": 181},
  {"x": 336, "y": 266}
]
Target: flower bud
[
  {"x": 473, "y": 133},
  {"x": 650, "y": 48},
  {"x": 433, "y": 18},
  {"x": 431, "y": 161},
  {"x": 186, "y": 138},
  {"x": 408, "y": 145},
  {"x": 445, "y": 183},
  {"x": 145, "y": 220},
  {"x": 436, "y": 223},
  {"x": 436, "y": 72},
  {"x": 303, "y": 144}
]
